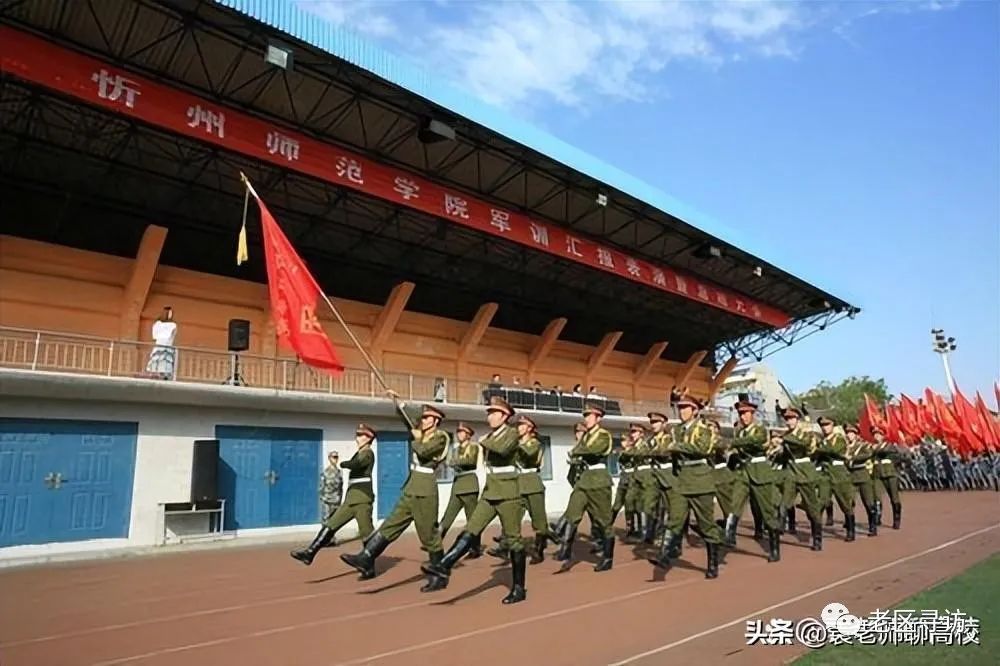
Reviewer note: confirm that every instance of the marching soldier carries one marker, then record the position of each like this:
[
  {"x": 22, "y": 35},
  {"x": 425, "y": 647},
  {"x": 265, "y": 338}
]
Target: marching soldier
[
  {"x": 658, "y": 498},
  {"x": 885, "y": 473},
  {"x": 754, "y": 479},
  {"x": 419, "y": 502},
  {"x": 625, "y": 494},
  {"x": 692, "y": 446},
  {"x": 858, "y": 455},
  {"x": 465, "y": 487},
  {"x": 357, "y": 504},
  {"x": 799, "y": 444},
  {"x": 529, "y": 481},
  {"x": 501, "y": 497},
  {"x": 831, "y": 453},
  {"x": 643, "y": 483},
  {"x": 722, "y": 472},
  {"x": 594, "y": 484}
]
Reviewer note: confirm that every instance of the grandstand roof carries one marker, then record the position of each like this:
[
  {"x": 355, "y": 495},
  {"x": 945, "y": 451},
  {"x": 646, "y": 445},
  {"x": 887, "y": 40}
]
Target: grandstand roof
[{"x": 121, "y": 178}]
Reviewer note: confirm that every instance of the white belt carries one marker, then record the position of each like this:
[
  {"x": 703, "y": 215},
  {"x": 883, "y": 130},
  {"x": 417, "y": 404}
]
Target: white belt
[
  {"x": 692, "y": 463},
  {"x": 756, "y": 459},
  {"x": 530, "y": 470},
  {"x": 421, "y": 468},
  {"x": 839, "y": 463},
  {"x": 641, "y": 467},
  {"x": 506, "y": 469},
  {"x": 360, "y": 479},
  {"x": 597, "y": 466},
  {"x": 721, "y": 465},
  {"x": 468, "y": 471},
  {"x": 803, "y": 460}
]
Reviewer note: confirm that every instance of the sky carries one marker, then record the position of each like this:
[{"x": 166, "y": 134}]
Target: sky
[{"x": 863, "y": 135}]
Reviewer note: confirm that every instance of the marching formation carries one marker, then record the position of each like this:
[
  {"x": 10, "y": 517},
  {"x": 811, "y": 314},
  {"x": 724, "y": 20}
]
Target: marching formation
[{"x": 671, "y": 479}]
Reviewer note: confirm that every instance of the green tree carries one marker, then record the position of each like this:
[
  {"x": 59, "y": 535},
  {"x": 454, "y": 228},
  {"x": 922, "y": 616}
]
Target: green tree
[{"x": 843, "y": 402}]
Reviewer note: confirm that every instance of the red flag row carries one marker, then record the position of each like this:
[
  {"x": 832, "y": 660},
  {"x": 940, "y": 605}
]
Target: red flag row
[{"x": 967, "y": 428}]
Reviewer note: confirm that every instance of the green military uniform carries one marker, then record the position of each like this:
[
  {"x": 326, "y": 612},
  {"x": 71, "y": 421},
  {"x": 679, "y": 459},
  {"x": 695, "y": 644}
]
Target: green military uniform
[
  {"x": 659, "y": 500},
  {"x": 724, "y": 479},
  {"x": 594, "y": 484},
  {"x": 644, "y": 485},
  {"x": 418, "y": 503},
  {"x": 357, "y": 505},
  {"x": 626, "y": 494},
  {"x": 885, "y": 456},
  {"x": 693, "y": 445},
  {"x": 501, "y": 497},
  {"x": 465, "y": 488},
  {"x": 529, "y": 481},
  {"x": 799, "y": 446},
  {"x": 754, "y": 479},
  {"x": 831, "y": 454},
  {"x": 859, "y": 456}
]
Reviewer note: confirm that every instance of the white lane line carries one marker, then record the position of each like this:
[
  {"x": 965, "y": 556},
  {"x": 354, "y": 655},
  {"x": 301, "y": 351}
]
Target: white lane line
[{"x": 800, "y": 597}]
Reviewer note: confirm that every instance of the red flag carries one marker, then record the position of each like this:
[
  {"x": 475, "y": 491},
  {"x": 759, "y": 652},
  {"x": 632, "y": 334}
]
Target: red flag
[
  {"x": 910, "y": 419},
  {"x": 996, "y": 393},
  {"x": 893, "y": 425},
  {"x": 968, "y": 418},
  {"x": 293, "y": 293},
  {"x": 991, "y": 426},
  {"x": 870, "y": 416},
  {"x": 929, "y": 416},
  {"x": 949, "y": 426}
]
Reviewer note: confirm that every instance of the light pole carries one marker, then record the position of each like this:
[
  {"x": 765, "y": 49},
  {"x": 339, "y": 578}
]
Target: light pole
[{"x": 945, "y": 346}]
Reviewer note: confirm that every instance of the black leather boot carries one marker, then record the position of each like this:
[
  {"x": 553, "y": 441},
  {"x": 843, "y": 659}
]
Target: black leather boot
[
  {"x": 607, "y": 555},
  {"x": 596, "y": 540},
  {"x": 649, "y": 534},
  {"x": 897, "y": 515},
  {"x": 364, "y": 561},
  {"x": 476, "y": 549},
  {"x": 442, "y": 569},
  {"x": 790, "y": 518},
  {"x": 781, "y": 519},
  {"x": 323, "y": 539},
  {"x": 878, "y": 512},
  {"x": 872, "y": 523},
  {"x": 774, "y": 546},
  {"x": 817, "y": 536},
  {"x": 566, "y": 546},
  {"x": 435, "y": 583},
  {"x": 556, "y": 530},
  {"x": 731, "y": 522},
  {"x": 713, "y": 560},
  {"x": 671, "y": 542},
  {"x": 517, "y": 567},
  {"x": 829, "y": 515},
  {"x": 850, "y": 528},
  {"x": 538, "y": 554}
]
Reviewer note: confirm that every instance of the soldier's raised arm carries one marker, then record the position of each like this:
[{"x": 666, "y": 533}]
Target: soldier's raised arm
[
  {"x": 359, "y": 460},
  {"x": 503, "y": 443}
]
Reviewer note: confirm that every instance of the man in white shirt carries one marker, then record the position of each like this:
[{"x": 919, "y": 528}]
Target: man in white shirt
[{"x": 162, "y": 358}]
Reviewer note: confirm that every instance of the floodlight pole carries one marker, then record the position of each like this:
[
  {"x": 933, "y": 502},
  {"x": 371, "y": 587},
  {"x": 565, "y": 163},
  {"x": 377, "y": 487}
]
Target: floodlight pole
[{"x": 947, "y": 374}]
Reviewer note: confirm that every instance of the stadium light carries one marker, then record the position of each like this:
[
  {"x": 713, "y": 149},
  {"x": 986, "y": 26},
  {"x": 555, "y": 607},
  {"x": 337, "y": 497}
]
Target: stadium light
[
  {"x": 758, "y": 271},
  {"x": 602, "y": 199},
  {"x": 708, "y": 251},
  {"x": 944, "y": 345},
  {"x": 435, "y": 131},
  {"x": 278, "y": 55}
]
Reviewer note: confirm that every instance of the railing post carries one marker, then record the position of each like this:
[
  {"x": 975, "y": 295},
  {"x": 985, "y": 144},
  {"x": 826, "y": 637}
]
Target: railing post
[
  {"x": 284, "y": 375},
  {"x": 411, "y": 386},
  {"x": 34, "y": 360},
  {"x": 371, "y": 383},
  {"x": 330, "y": 377},
  {"x": 111, "y": 356}
]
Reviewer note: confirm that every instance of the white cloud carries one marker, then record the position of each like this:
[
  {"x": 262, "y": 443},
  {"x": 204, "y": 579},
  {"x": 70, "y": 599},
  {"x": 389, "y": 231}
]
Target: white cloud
[{"x": 526, "y": 54}]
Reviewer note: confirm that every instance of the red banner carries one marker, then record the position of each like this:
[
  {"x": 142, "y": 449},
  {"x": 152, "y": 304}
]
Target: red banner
[
  {"x": 293, "y": 293},
  {"x": 40, "y": 62}
]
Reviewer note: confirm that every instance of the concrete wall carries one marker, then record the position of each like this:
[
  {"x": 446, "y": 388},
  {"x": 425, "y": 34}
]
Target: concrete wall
[{"x": 171, "y": 416}]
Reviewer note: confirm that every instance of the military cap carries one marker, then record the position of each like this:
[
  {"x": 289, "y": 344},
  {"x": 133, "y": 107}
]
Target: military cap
[
  {"x": 791, "y": 411},
  {"x": 365, "y": 429},
  {"x": 687, "y": 401},
  {"x": 851, "y": 427},
  {"x": 876, "y": 429},
  {"x": 824, "y": 420},
  {"x": 431, "y": 410},
  {"x": 466, "y": 427},
  {"x": 745, "y": 406},
  {"x": 591, "y": 408},
  {"x": 639, "y": 427},
  {"x": 580, "y": 427},
  {"x": 657, "y": 416},
  {"x": 498, "y": 404},
  {"x": 527, "y": 421}
]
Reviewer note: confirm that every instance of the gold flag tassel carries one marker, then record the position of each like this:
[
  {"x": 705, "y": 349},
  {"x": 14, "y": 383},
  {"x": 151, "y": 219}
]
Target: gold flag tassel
[{"x": 241, "y": 246}]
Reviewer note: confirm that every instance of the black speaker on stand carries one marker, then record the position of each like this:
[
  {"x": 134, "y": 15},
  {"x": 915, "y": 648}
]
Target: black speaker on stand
[
  {"x": 205, "y": 471},
  {"x": 239, "y": 340}
]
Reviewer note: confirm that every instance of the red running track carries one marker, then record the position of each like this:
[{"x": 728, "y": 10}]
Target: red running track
[{"x": 257, "y": 606}]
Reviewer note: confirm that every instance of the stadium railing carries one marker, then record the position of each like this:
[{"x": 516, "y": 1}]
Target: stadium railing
[{"x": 51, "y": 351}]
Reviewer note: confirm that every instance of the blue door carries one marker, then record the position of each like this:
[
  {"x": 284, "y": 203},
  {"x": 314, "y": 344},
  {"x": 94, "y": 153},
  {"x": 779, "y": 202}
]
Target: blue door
[
  {"x": 392, "y": 457},
  {"x": 65, "y": 480},
  {"x": 268, "y": 476}
]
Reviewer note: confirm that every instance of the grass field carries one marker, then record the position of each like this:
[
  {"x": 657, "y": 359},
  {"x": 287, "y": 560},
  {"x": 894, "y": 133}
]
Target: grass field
[{"x": 975, "y": 592}]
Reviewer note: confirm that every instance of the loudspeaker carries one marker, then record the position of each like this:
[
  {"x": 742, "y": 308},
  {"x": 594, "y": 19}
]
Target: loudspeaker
[
  {"x": 205, "y": 470},
  {"x": 239, "y": 335}
]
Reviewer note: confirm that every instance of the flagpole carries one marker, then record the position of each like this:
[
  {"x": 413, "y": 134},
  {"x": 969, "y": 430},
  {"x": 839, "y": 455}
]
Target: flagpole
[{"x": 350, "y": 334}]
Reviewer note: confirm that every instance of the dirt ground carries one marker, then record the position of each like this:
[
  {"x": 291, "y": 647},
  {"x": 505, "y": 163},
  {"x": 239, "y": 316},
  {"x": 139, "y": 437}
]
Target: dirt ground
[{"x": 258, "y": 606}]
